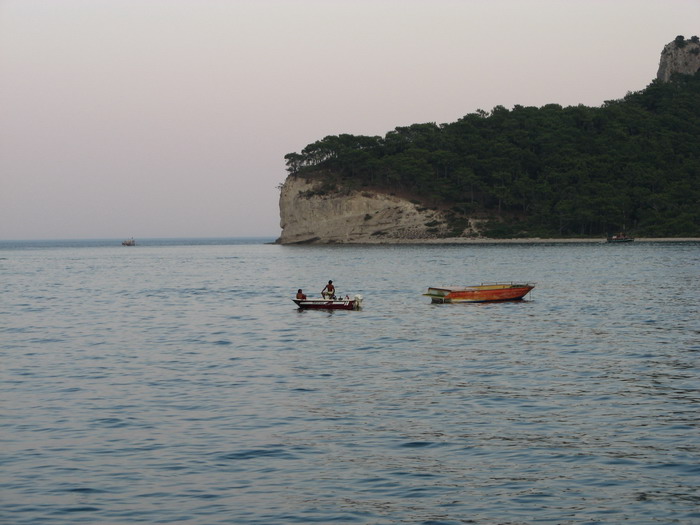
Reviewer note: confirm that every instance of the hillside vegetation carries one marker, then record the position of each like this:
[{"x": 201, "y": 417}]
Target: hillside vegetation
[{"x": 632, "y": 164}]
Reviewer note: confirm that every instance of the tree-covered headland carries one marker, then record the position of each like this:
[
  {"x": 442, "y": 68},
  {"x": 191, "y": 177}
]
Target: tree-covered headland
[{"x": 631, "y": 164}]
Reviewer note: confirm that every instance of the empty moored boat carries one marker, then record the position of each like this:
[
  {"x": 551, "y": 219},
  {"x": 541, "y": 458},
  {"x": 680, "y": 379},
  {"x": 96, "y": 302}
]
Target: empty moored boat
[{"x": 481, "y": 293}]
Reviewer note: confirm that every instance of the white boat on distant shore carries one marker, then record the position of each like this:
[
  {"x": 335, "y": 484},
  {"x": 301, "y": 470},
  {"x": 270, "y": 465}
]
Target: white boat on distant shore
[{"x": 620, "y": 237}]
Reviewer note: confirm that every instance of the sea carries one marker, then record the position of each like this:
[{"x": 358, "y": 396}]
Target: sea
[{"x": 176, "y": 382}]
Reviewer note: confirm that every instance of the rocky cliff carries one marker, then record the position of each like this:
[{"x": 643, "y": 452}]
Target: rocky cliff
[
  {"x": 680, "y": 56},
  {"x": 311, "y": 214}
]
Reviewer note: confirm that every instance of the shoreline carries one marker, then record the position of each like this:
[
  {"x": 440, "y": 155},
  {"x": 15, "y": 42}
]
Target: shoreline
[
  {"x": 531, "y": 240},
  {"x": 539, "y": 240}
]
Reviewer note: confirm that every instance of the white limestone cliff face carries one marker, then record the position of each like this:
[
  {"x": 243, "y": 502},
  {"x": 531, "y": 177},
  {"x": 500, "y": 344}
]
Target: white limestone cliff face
[
  {"x": 351, "y": 217},
  {"x": 675, "y": 59}
]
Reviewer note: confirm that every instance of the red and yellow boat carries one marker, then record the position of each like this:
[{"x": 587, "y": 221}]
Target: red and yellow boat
[{"x": 480, "y": 293}]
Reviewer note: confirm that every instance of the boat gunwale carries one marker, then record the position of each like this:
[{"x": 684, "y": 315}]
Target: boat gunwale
[{"x": 328, "y": 304}]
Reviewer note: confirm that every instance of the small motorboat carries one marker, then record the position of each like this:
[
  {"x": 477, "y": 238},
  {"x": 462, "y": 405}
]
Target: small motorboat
[
  {"x": 333, "y": 303},
  {"x": 129, "y": 242},
  {"x": 481, "y": 293},
  {"x": 620, "y": 237}
]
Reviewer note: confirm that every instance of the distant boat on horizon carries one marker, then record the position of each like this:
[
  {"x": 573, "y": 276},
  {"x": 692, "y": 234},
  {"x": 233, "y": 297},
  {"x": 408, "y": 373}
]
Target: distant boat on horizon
[{"x": 129, "y": 242}]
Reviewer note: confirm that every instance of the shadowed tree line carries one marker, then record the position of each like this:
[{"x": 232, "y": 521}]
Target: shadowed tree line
[{"x": 631, "y": 164}]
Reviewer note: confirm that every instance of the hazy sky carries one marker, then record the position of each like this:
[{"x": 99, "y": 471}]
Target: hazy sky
[{"x": 171, "y": 118}]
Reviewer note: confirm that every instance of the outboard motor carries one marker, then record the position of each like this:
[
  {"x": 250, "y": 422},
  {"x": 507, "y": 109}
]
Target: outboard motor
[{"x": 358, "y": 301}]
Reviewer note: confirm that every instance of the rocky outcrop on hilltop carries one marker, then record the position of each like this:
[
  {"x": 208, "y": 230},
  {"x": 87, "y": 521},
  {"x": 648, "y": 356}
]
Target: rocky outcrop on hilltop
[
  {"x": 680, "y": 56},
  {"x": 310, "y": 214}
]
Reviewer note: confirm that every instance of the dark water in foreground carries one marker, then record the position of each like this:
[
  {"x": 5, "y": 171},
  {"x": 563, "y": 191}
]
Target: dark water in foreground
[{"x": 177, "y": 383}]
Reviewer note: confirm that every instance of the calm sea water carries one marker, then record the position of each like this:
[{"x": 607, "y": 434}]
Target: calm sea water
[{"x": 176, "y": 382}]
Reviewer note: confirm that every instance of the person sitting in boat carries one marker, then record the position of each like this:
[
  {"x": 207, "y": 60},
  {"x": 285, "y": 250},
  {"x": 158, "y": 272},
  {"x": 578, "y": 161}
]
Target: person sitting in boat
[
  {"x": 300, "y": 294},
  {"x": 328, "y": 291}
]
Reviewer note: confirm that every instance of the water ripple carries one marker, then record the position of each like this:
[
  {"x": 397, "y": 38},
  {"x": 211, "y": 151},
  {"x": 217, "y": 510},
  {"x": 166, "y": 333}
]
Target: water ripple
[{"x": 181, "y": 385}]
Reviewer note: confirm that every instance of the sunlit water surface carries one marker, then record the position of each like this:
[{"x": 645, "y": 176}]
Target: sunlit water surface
[{"x": 176, "y": 382}]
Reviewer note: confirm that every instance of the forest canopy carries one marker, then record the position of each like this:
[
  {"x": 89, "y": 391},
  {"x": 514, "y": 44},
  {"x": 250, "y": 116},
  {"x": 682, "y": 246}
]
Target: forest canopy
[{"x": 631, "y": 164}]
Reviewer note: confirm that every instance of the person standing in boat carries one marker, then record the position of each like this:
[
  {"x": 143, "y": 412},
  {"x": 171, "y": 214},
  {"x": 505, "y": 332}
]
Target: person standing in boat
[{"x": 329, "y": 291}]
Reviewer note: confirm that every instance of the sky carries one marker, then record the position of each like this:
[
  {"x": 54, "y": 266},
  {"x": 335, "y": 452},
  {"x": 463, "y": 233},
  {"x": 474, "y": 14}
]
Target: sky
[{"x": 171, "y": 118}]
